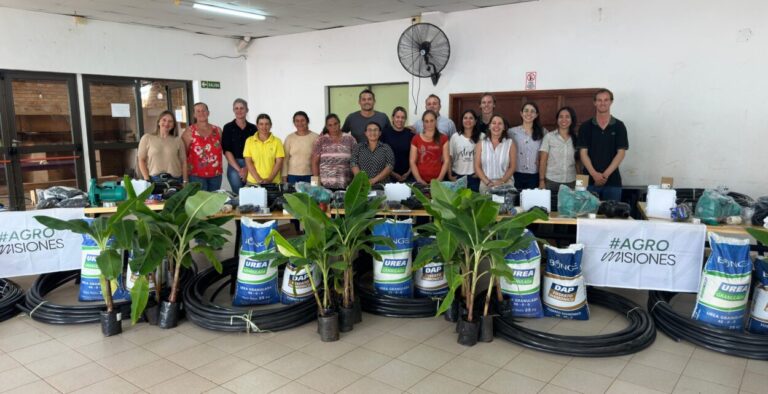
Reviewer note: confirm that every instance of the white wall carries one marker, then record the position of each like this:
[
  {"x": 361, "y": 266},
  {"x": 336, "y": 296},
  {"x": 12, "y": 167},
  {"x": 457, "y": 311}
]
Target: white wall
[
  {"x": 44, "y": 42},
  {"x": 688, "y": 75}
]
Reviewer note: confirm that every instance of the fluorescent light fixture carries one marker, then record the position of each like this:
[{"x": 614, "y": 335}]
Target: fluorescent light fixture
[{"x": 228, "y": 11}]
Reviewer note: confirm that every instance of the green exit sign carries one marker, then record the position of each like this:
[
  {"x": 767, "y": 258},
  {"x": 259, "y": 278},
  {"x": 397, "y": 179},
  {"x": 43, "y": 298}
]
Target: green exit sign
[{"x": 210, "y": 84}]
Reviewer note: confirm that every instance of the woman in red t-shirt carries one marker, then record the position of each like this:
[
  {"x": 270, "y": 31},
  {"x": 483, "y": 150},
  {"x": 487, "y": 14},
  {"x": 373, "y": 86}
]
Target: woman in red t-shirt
[{"x": 430, "y": 158}]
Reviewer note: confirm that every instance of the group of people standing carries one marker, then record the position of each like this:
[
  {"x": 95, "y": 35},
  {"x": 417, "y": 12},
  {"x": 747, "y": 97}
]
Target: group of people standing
[{"x": 485, "y": 149}]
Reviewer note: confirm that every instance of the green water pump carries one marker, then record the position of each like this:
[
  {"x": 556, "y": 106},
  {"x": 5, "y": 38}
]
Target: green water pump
[{"x": 107, "y": 192}]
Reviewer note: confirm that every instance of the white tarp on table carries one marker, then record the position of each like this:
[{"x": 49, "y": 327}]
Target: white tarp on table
[
  {"x": 27, "y": 247},
  {"x": 640, "y": 254}
]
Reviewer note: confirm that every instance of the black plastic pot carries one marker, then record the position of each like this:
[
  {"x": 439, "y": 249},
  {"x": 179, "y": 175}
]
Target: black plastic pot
[
  {"x": 110, "y": 323},
  {"x": 357, "y": 306},
  {"x": 452, "y": 314},
  {"x": 151, "y": 314},
  {"x": 168, "y": 316},
  {"x": 462, "y": 316},
  {"x": 486, "y": 328},
  {"x": 504, "y": 308},
  {"x": 468, "y": 332},
  {"x": 328, "y": 327},
  {"x": 346, "y": 319}
]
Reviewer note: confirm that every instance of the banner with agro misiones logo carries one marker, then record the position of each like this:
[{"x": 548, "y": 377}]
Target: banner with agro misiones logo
[
  {"x": 27, "y": 247},
  {"x": 638, "y": 254}
]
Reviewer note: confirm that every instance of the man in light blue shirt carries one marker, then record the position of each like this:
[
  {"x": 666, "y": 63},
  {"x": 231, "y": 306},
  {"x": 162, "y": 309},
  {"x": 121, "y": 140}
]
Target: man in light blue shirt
[{"x": 444, "y": 124}]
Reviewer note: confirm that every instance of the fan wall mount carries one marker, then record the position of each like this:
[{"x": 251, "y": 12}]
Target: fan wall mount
[{"x": 424, "y": 50}]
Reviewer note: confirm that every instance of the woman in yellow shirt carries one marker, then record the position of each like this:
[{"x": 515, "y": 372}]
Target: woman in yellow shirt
[{"x": 263, "y": 153}]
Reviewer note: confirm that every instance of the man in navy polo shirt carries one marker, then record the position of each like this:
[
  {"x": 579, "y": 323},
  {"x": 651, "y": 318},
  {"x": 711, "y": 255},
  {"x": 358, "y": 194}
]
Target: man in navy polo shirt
[{"x": 602, "y": 145}]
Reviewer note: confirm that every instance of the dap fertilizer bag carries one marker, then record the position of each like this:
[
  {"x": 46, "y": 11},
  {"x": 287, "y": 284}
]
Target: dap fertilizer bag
[
  {"x": 256, "y": 277},
  {"x": 392, "y": 274},
  {"x": 524, "y": 291},
  {"x": 296, "y": 285},
  {"x": 565, "y": 294},
  {"x": 758, "y": 317},
  {"x": 722, "y": 299},
  {"x": 130, "y": 276},
  {"x": 429, "y": 281}
]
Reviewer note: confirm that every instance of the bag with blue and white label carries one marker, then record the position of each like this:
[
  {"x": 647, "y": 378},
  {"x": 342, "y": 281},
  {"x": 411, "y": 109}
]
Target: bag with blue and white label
[
  {"x": 90, "y": 274},
  {"x": 524, "y": 291},
  {"x": 430, "y": 280},
  {"x": 724, "y": 289},
  {"x": 296, "y": 284},
  {"x": 256, "y": 276},
  {"x": 758, "y": 317},
  {"x": 565, "y": 294},
  {"x": 392, "y": 275}
]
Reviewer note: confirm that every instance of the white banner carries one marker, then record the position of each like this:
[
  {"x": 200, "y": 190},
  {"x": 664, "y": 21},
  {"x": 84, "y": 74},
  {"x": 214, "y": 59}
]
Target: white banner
[
  {"x": 27, "y": 247},
  {"x": 640, "y": 254}
]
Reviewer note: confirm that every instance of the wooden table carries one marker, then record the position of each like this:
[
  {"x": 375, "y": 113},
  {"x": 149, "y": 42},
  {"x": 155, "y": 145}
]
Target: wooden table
[
  {"x": 280, "y": 215},
  {"x": 729, "y": 229}
]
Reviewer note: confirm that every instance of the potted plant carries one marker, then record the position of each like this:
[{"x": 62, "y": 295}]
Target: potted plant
[
  {"x": 146, "y": 262},
  {"x": 186, "y": 218},
  {"x": 318, "y": 245},
  {"x": 468, "y": 234},
  {"x": 112, "y": 235},
  {"x": 353, "y": 231}
]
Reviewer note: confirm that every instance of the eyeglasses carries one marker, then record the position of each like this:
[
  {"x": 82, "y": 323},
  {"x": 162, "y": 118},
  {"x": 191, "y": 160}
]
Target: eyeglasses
[{"x": 529, "y": 111}]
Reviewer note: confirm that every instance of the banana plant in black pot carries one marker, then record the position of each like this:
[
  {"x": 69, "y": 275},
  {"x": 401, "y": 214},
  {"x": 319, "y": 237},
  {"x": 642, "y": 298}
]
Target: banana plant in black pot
[
  {"x": 319, "y": 245},
  {"x": 353, "y": 231},
  {"x": 468, "y": 235},
  {"x": 187, "y": 223},
  {"x": 112, "y": 235}
]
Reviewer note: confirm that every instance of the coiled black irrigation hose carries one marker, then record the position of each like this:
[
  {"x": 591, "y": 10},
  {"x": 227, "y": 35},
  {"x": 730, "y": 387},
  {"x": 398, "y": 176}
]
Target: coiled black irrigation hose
[
  {"x": 639, "y": 335},
  {"x": 10, "y": 295},
  {"x": 44, "y": 311},
  {"x": 384, "y": 305},
  {"x": 678, "y": 327},
  {"x": 207, "y": 314}
]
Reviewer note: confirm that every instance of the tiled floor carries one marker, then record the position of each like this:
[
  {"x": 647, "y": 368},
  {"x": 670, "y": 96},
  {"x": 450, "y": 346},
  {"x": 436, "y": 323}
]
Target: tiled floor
[{"x": 381, "y": 355}]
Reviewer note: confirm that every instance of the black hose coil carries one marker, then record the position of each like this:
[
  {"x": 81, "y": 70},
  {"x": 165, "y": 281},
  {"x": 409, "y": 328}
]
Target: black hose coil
[
  {"x": 678, "y": 327},
  {"x": 206, "y": 314},
  {"x": 389, "y": 306},
  {"x": 639, "y": 335},
  {"x": 44, "y": 311},
  {"x": 10, "y": 295}
]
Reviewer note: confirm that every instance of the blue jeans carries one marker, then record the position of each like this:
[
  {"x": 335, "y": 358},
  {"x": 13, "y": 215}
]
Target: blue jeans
[
  {"x": 607, "y": 193},
  {"x": 208, "y": 184},
  {"x": 292, "y": 179},
  {"x": 155, "y": 178},
  {"x": 234, "y": 177}
]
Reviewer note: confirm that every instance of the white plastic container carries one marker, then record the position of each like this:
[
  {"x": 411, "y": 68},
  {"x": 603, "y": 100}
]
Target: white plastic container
[
  {"x": 253, "y": 196},
  {"x": 530, "y": 198},
  {"x": 397, "y": 191}
]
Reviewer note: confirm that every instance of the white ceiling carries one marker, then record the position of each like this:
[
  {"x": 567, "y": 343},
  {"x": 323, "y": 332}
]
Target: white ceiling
[{"x": 284, "y": 16}]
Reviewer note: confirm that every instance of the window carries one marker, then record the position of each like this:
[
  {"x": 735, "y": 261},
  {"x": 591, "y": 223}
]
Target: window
[{"x": 342, "y": 100}]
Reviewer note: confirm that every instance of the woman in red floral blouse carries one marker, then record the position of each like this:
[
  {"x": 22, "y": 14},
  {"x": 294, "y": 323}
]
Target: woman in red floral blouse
[{"x": 204, "y": 153}]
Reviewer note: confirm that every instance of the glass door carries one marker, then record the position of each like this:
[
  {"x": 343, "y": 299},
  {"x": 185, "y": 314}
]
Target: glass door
[
  {"x": 41, "y": 140},
  {"x": 112, "y": 121}
]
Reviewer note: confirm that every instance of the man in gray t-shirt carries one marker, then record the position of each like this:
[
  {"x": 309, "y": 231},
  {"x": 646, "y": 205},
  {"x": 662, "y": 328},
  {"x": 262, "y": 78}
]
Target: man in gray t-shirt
[{"x": 356, "y": 122}]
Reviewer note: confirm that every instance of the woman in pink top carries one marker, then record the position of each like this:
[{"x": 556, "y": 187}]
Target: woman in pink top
[
  {"x": 331, "y": 155},
  {"x": 204, "y": 152}
]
